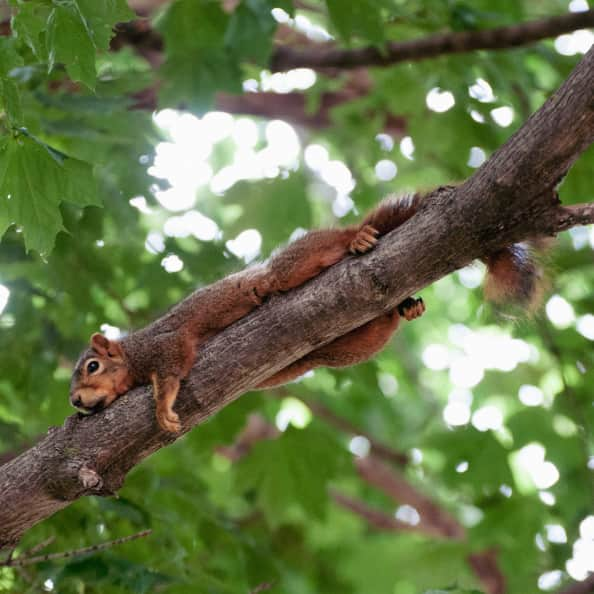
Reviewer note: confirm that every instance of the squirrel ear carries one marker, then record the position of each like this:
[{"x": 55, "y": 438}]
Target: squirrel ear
[
  {"x": 106, "y": 347},
  {"x": 100, "y": 343}
]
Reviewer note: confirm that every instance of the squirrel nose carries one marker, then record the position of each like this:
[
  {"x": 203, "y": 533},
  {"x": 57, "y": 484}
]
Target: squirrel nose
[{"x": 75, "y": 400}]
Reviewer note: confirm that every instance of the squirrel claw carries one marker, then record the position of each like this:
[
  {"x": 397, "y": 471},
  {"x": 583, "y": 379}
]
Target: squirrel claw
[
  {"x": 411, "y": 308},
  {"x": 257, "y": 289},
  {"x": 365, "y": 240}
]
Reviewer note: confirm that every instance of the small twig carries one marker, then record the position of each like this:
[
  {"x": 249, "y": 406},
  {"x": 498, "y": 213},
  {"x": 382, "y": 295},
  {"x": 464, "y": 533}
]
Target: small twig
[
  {"x": 21, "y": 561},
  {"x": 577, "y": 214},
  {"x": 40, "y": 546},
  {"x": 9, "y": 556}
]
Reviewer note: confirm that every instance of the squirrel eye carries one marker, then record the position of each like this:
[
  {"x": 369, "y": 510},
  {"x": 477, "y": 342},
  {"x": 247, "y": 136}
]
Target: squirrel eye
[{"x": 92, "y": 366}]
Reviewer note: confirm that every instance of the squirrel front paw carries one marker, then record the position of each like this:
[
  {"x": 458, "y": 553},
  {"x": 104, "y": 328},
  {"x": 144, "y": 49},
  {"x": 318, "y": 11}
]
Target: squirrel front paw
[
  {"x": 365, "y": 240},
  {"x": 411, "y": 308},
  {"x": 168, "y": 420}
]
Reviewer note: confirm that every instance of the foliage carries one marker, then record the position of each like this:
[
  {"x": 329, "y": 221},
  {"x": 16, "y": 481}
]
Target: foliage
[{"x": 87, "y": 240}]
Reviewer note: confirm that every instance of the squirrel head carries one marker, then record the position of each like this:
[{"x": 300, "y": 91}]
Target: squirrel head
[{"x": 100, "y": 376}]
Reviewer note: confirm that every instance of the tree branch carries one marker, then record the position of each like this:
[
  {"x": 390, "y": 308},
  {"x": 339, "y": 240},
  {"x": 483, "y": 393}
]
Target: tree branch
[
  {"x": 509, "y": 198},
  {"x": 291, "y": 107},
  {"x": 323, "y": 56},
  {"x": 258, "y": 429},
  {"x": 286, "y": 58},
  {"x": 486, "y": 568},
  {"x": 435, "y": 521},
  {"x": 433, "y": 518},
  {"x": 379, "y": 519},
  {"x": 571, "y": 216}
]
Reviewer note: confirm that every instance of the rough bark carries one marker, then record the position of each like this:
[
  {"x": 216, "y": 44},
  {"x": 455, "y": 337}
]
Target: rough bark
[{"x": 510, "y": 197}]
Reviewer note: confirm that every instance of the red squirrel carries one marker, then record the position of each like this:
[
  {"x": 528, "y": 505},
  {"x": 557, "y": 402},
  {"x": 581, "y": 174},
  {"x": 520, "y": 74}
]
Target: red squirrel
[{"x": 163, "y": 352}]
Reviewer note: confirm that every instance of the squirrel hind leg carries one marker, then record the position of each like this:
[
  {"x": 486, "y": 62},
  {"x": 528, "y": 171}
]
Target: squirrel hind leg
[
  {"x": 411, "y": 308},
  {"x": 352, "y": 348}
]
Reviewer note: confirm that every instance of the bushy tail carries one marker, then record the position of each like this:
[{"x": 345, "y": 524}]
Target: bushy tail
[
  {"x": 393, "y": 212},
  {"x": 514, "y": 274},
  {"x": 515, "y": 277}
]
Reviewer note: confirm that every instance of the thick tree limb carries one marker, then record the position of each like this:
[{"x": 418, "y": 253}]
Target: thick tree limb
[
  {"x": 509, "y": 198},
  {"x": 286, "y": 58}
]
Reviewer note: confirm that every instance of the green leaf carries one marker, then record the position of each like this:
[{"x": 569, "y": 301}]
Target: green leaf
[
  {"x": 276, "y": 208},
  {"x": 198, "y": 24},
  {"x": 292, "y": 470},
  {"x": 360, "y": 17},
  {"x": 100, "y": 18},
  {"x": 34, "y": 180},
  {"x": 131, "y": 577},
  {"x": 385, "y": 562},
  {"x": 9, "y": 57},
  {"x": 29, "y": 23},
  {"x": 69, "y": 42},
  {"x": 197, "y": 64},
  {"x": 10, "y": 99},
  {"x": 286, "y": 5},
  {"x": 487, "y": 459},
  {"x": 250, "y": 31}
]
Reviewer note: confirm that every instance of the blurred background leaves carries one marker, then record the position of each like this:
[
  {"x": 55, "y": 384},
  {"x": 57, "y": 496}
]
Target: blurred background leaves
[{"x": 128, "y": 178}]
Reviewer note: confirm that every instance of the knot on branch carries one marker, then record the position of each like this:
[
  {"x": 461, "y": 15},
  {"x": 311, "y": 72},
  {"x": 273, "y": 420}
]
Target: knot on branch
[{"x": 89, "y": 478}]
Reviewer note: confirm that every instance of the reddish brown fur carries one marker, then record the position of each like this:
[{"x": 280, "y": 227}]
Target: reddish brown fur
[
  {"x": 350, "y": 349},
  {"x": 163, "y": 352},
  {"x": 514, "y": 276}
]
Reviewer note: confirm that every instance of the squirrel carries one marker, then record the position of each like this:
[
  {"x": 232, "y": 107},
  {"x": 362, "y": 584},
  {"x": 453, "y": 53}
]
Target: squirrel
[{"x": 163, "y": 352}]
